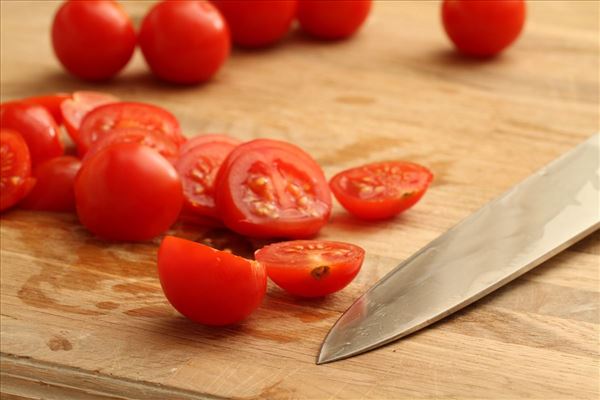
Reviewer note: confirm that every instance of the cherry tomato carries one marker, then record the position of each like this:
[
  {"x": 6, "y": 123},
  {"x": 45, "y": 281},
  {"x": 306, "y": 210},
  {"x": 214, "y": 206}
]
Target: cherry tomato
[
  {"x": 198, "y": 168},
  {"x": 124, "y": 115},
  {"x": 268, "y": 188},
  {"x": 74, "y": 109},
  {"x": 202, "y": 139},
  {"x": 184, "y": 42},
  {"x": 381, "y": 190},
  {"x": 37, "y": 127},
  {"x": 257, "y": 23},
  {"x": 209, "y": 286},
  {"x": 127, "y": 191},
  {"x": 93, "y": 39},
  {"x": 483, "y": 28},
  {"x": 53, "y": 190},
  {"x": 51, "y": 102},
  {"x": 311, "y": 268},
  {"x": 332, "y": 19},
  {"x": 15, "y": 179}
]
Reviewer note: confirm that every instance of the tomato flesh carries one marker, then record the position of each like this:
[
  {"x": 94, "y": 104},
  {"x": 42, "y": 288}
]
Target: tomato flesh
[
  {"x": 311, "y": 268},
  {"x": 332, "y": 19},
  {"x": 209, "y": 286},
  {"x": 202, "y": 139},
  {"x": 75, "y": 108},
  {"x": 15, "y": 179}
]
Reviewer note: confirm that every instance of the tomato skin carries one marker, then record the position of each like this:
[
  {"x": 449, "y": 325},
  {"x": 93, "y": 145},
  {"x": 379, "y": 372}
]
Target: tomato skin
[
  {"x": 53, "y": 190},
  {"x": 184, "y": 42},
  {"x": 93, "y": 39},
  {"x": 209, "y": 286},
  {"x": 74, "y": 109},
  {"x": 311, "y": 268},
  {"x": 15, "y": 181},
  {"x": 207, "y": 138},
  {"x": 257, "y": 23},
  {"x": 127, "y": 191},
  {"x": 37, "y": 127},
  {"x": 483, "y": 28},
  {"x": 332, "y": 19}
]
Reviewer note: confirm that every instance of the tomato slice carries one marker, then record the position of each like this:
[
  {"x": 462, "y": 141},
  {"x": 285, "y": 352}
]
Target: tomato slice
[
  {"x": 201, "y": 139},
  {"x": 311, "y": 268},
  {"x": 74, "y": 109},
  {"x": 134, "y": 135},
  {"x": 38, "y": 128},
  {"x": 209, "y": 286},
  {"x": 198, "y": 168},
  {"x": 381, "y": 190},
  {"x": 106, "y": 118},
  {"x": 15, "y": 179},
  {"x": 53, "y": 190},
  {"x": 268, "y": 189}
]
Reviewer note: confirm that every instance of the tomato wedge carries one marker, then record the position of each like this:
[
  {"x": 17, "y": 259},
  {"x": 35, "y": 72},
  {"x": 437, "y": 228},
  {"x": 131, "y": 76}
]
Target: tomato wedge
[
  {"x": 106, "y": 118},
  {"x": 311, "y": 268},
  {"x": 209, "y": 286},
  {"x": 50, "y": 102},
  {"x": 15, "y": 179},
  {"x": 201, "y": 139},
  {"x": 74, "y": 109},
  {"x": 268, "y": 189},
  {"x": 381, "y": 190}
]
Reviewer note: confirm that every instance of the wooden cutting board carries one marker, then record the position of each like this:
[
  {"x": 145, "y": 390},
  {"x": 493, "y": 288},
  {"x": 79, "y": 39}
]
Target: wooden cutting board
[{"x": 86, "y": 319}]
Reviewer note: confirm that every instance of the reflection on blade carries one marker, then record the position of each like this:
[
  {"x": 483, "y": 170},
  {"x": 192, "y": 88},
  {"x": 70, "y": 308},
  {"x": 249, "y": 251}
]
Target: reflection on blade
[{"x": 530, "y": 223}]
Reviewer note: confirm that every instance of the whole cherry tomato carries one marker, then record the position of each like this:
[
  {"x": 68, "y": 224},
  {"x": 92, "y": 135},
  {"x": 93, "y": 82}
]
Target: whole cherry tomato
[
  {"x": 15, "y": 179},
  {"x": 332, "y": 19}
]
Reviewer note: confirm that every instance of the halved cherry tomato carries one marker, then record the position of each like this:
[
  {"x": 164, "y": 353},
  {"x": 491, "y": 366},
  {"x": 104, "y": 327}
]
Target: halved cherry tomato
[
  {"x": 201, "y": 139},
  {"x": 74, "y": 109},
  {"x": 51, "y": 102},
  {"x": 127, "y": 191},
  {"x": 122, "y": 115},
  {"x": 381, "y": 190},
  {"x": 53, "y": 190},
  {"x": 332, "y": 19},
  {"x": 257, "y": 23},
  {"x": 209, "y": 286},
  {"x": 268, "y": 188},
  {"x": 311, "y": 268},
  {"x": 15, "y": 179},
  {"x": 198, "y": 168},
  {"x": 37, "y": 127}
]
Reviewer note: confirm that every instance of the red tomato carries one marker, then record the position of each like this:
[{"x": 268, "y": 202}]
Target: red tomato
[
  {"x": 267, "y": 188},
  {"x": 74, "y": 109},
  {"x": 127, "y": 191},
  {"x": 202, "y": 139},
  {"x": 51, "y": 102},
  {"x": 381, "y": 190},
  {"x": 332, "y": 19},
  {"x": 37, "y": 127},
  {"x": 184, "y": 42},
  {"x": 198, "y": 168},
  {"x": 93, "y": 39},
  {"x": 125, "y": 115},
  {"x": 311, "y": 268},
  {"x": 209, "y": 286},
  {"x": 483, "y": 28},
  {"x": 15, "y": 179},
  {"x": 257, "y": 23},
  {"x": 53, "y": 190}
]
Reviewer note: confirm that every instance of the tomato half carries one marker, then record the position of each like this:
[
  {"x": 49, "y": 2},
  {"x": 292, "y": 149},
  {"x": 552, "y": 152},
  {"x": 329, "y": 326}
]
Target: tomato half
[
  {"x": 125, "y": 115},
  {"x": 128, "y": 191},
  {"x": 257, "y": 23},
  {"x": 93, "y": 39},
  {"x": 15, "y": 179},
  {"x": 483, "y": 28},
  {"x": 202, "y": 139},
  {"x": 268, "y": 188},
  {"x": 184, "y": 42},
  {"x": 198, "y": 169},
  {"x": 50, "y": 102},
  {"x": 75, "y": 108},
  {"x": 332, "y": 19},
  {"x": 311, "y": 268},
  {"x": 209, "y": 286},
  {"x": 37, "y": 127},
  {"x": 53, "y": 190},
  {"x": 381, "y": 190}
]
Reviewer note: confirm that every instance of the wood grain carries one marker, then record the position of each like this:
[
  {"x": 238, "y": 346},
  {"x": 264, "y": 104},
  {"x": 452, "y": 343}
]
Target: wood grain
[{"x": 85, "y": 319}]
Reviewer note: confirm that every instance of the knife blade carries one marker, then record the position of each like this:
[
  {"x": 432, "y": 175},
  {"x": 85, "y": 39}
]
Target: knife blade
[{"x": 536, "y": 219}]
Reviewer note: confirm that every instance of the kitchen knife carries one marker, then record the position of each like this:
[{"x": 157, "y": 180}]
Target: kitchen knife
[{"x": 533, "y": 221}]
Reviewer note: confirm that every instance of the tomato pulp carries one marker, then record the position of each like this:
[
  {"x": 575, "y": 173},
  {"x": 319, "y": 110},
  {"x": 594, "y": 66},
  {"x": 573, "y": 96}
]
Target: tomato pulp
[{"x": 15, "y": 179}]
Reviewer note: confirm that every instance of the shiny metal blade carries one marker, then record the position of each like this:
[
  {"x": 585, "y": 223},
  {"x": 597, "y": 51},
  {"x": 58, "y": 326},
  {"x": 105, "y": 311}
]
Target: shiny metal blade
[{"x": 527, "y": 225}]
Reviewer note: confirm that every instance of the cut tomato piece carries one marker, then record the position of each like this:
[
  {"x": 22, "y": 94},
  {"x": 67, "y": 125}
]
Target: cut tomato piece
[
  {"x": 15, "y": 179},
  {"x": 381, "y": 190},
  {"x": 133, "y": 135},
  {"x": 209, "y": 286},
  {"x": 202, "y": 139},
  {"x": 268, "y": 188},
  {"x": 74, "y": 109},
  {"x": 50, "y": 102},
  {"x": 311, "y": 268}
]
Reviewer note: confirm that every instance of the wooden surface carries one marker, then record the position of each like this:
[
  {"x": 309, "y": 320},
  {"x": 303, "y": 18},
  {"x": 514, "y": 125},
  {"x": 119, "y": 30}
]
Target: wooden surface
[{"x": 86, "y": 319}]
